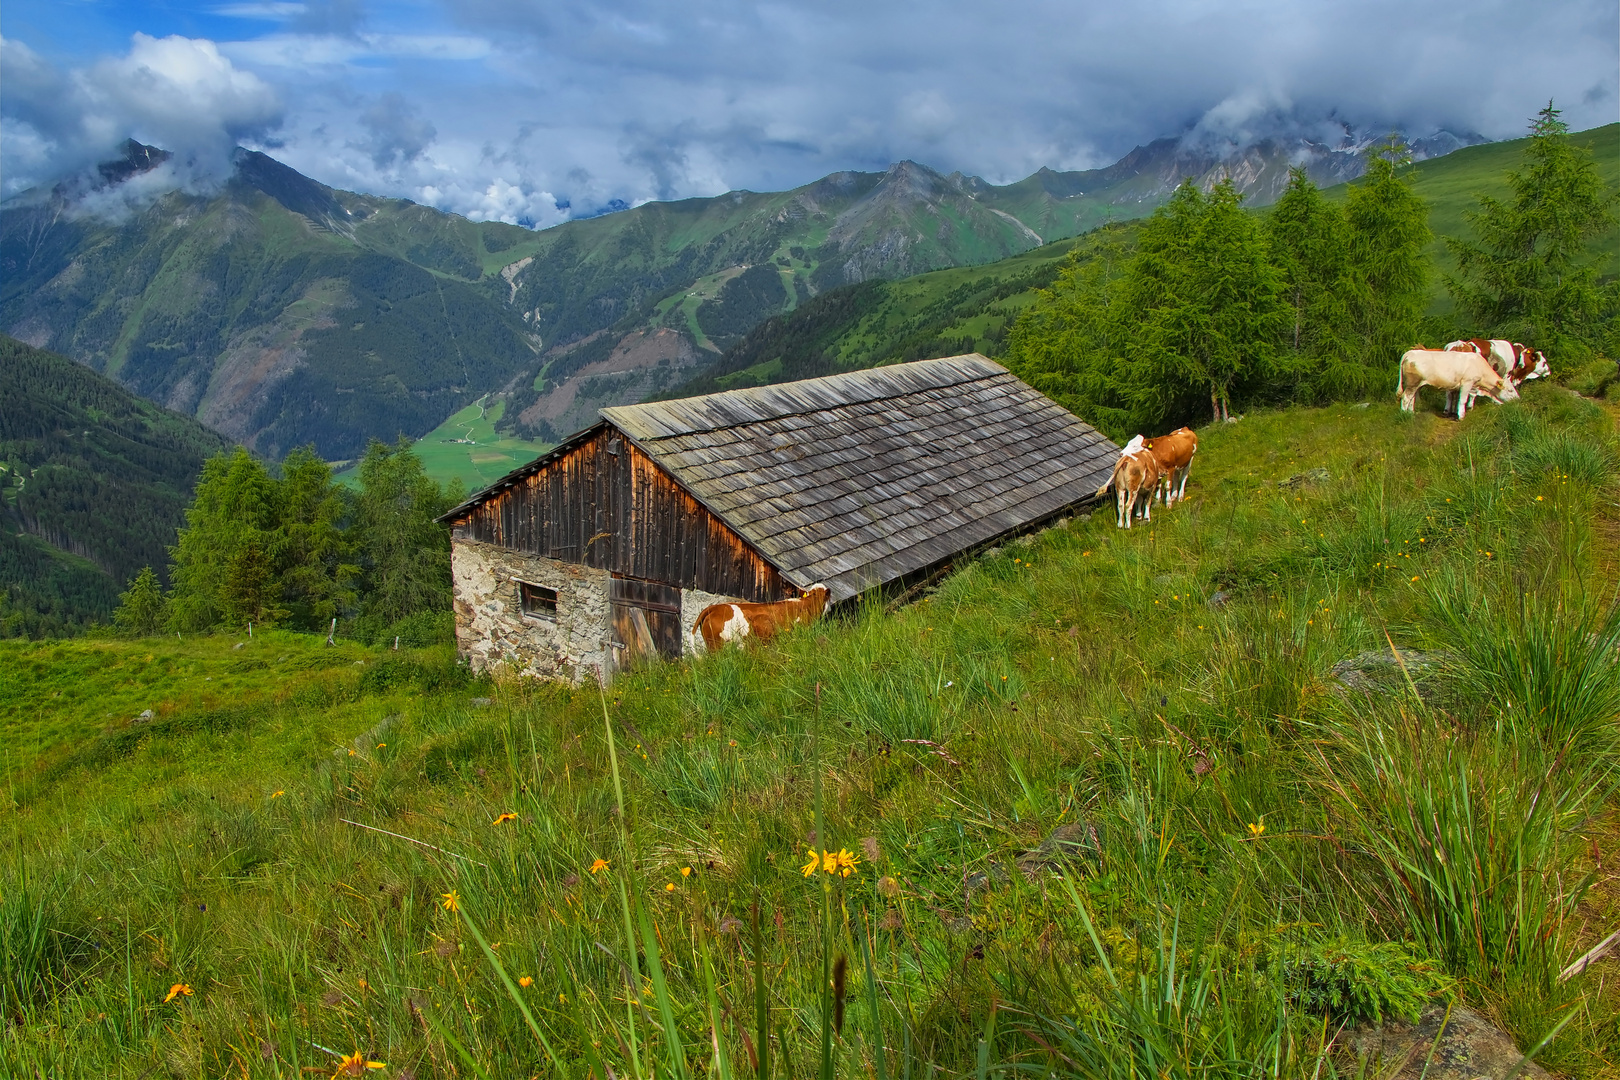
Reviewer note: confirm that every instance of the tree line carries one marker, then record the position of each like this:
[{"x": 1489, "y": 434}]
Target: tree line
[
  {"x": 1216, "y": 308},
  {"x": 297, "y": 549}
]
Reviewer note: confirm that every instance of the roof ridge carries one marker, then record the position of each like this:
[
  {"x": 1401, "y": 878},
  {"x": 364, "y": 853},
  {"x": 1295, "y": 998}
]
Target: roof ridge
[{"x": 651, "y": 421}]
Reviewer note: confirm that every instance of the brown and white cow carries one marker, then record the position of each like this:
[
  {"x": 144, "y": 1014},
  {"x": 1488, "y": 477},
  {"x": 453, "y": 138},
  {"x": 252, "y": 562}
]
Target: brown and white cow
[
  {"x": 1515, "y": 362},
  {"x": 720, "y": 624},
  {"x": 1465, "y": 372},
  {"x": 1136, "y": 474},
  {"x": 1173, "y": 453}
]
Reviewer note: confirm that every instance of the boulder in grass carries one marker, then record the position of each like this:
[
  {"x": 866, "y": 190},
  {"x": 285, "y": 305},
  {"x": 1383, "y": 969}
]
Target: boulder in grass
[
  {"x": 1460, "y": 1046},
  {"x": 1377, "y": 670},
  {"x": 1068, "y": 845}
]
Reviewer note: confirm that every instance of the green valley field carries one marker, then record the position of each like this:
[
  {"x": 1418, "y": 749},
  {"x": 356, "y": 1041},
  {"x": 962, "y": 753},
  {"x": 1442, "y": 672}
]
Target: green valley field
[{"x": 1334, "y": 738}]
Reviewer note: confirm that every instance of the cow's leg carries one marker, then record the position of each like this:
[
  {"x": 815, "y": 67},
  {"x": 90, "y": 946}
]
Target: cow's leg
[
  {"x": 1186, "y": 470},
  {"x": 1452, "y": 402},
  {"x": 1465, "y": 397},
  {"x": 1120, "y": 511}
]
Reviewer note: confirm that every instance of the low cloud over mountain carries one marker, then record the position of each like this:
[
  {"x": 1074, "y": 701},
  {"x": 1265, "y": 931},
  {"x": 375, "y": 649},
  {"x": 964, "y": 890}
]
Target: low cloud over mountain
[{"x": 536, "y": 112}]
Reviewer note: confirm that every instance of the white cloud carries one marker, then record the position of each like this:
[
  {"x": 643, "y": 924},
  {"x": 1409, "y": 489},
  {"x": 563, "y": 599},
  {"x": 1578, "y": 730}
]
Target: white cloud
[{"x": 175, "y": 92}]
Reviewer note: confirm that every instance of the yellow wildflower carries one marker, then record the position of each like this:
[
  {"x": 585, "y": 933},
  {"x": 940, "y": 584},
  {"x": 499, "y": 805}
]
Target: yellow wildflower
[
  {"x": 599, "y": 864},
  {"x": 503, "y": 818},
  {"x": 815, "y": 861},
  {"x": 177, "y": 990},
  {"x": 686, "y": 871},
  {"x": 525, "y": 982},
  {"x": 669, "y": 886},
  {"x": 355, "y": 1064},
  {"x": 848, "y": 862},
  {"x": 1257, "y": 828},
  {"x": 452, "y": 900},
  {"x": 277, "y": 794}
]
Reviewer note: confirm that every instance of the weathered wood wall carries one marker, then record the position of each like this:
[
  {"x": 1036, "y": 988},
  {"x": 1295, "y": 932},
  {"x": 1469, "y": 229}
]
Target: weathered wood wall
[{"x": 606, "y": 505}]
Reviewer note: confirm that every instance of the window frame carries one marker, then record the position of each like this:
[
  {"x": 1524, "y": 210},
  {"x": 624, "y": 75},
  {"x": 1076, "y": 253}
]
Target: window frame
[{"x": 548, "y": 601}]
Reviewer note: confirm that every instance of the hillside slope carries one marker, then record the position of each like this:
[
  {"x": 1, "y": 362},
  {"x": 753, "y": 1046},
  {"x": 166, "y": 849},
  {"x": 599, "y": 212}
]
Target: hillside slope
[
  {"x": 970, "y": 308},
  {"x": 94, "y": 482},
  {"x": 1176, "y": 765},
  {"x": 283, "y": 312}
]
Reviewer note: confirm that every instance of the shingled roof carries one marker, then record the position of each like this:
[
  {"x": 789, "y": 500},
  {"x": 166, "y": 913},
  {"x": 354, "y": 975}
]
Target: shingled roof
[{"x": 858, "y": 479}]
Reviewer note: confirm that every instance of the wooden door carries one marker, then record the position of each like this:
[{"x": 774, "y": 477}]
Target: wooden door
[{"x": 646, "y": 621}]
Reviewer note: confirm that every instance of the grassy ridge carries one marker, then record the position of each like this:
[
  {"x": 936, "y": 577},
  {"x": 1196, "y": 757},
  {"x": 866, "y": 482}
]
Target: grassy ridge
[{"x": 1239, "y": 817}]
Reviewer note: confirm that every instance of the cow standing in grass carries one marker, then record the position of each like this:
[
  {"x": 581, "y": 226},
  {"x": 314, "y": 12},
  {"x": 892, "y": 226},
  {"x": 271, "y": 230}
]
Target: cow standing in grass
[
  {"x": 1173, "y": 453},
  {"x": 720, "y": 624},
  {"x": 1136, "y": 474},
  {"x": 1465, "y": 372}
]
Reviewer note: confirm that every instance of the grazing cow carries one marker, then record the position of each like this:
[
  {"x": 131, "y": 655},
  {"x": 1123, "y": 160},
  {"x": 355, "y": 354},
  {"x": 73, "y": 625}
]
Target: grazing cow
[
  {"x": 1173, "y": 453},
  {"x": 1135, "y": 473},
  {"x": 719, "y": 624},
  {"x": 1465, "y": 372},
  {"x": 1515, "y": 362}
]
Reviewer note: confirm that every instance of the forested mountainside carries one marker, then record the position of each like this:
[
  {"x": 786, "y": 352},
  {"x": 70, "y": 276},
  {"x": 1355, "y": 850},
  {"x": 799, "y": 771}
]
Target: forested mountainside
[
  {"x": 93, "y": 483},
  {"x": 971, "y": 309},
  {"x": 282, "y": 312}
]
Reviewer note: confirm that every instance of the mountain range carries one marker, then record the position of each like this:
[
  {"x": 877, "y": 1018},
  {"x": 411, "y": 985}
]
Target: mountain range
[{"x": 280, "y": 312}]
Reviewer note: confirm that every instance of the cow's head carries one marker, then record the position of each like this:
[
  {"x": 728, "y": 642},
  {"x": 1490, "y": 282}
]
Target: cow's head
[
  {"x": 1499, "y": 389},
  {"x": 1534, "y": 361}
]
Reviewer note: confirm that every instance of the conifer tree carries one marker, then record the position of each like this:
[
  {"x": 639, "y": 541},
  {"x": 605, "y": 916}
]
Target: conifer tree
[
  {"x": 405, "y": 553},
  {"x": 1067, "y": 345},
  {"x": 1388, "y": 280},
  {"x": 1308, "y": 244},
  {"x": 1212, "y": 305},
  {"x": 1530, "y": 276},
  {"x": 314, "y": 559},
  {"x": 215, "y": 577},
  {"x": 142, "y": 608}
]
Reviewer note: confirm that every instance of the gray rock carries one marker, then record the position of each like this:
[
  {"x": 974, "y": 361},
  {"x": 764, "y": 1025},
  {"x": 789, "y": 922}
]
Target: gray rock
[
  {"x": 1219, "y": 599},
  {"x": 146, "y": 714},
  {"x": 238, "y": 645},
  {"x": 1469, "y": 1048},
  {"x": 1377, "y": 669},
  {"x": 1067, "y": 844},
  {"x": 1309, "y": 476},
  {"x": 482, "y": 702}
]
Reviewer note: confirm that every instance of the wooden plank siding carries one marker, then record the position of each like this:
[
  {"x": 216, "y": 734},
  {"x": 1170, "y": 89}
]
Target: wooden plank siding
[{"x": 605, "y": 504}]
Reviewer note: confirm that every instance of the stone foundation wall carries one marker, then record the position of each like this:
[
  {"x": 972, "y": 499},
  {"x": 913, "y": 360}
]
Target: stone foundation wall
[{"x": 491, "y": 628}]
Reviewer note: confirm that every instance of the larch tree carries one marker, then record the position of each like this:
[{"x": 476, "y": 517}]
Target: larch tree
[
  {"x": 404, "y": 553},
  {"x": 1309, "y": 245},
  {"x": 220, "y": 566},
  {"x": 1387, "y": 287},
  {"x": 1530, "y": 276},
  {"x": 142, "y": 608}
]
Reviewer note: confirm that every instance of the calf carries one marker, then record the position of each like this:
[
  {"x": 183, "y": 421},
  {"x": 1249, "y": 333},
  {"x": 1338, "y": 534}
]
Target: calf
[
  {"x": 1174, "y": 453},
  {"x": 1465, "y": 372},
  {"x": 1135, "y": 472},
  {"x": 719, "y": 624}
]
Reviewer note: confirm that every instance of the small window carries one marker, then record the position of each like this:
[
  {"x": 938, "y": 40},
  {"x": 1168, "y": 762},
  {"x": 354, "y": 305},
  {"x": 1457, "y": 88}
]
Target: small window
[{"x": 538, "y": 600}]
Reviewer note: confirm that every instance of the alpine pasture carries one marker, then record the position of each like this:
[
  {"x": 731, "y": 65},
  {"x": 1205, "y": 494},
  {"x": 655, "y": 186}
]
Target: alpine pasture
[{"x": 1331, "y": 738}]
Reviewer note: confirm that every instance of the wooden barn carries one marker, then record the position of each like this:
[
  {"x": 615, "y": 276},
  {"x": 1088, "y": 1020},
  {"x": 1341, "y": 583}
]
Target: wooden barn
[{"x": 602, "y": 552}]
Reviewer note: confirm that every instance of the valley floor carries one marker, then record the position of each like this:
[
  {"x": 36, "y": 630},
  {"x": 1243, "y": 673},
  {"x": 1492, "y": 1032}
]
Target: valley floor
[{"x": 1336, "y": 735}]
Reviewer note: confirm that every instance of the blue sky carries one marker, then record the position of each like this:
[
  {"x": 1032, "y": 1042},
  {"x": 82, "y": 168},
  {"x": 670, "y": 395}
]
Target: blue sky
[{"x": 533, "y": 111}]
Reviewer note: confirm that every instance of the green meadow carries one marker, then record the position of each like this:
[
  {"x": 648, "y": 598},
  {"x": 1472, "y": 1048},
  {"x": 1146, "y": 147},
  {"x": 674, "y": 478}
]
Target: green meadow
[
  {"x": 466, "y": 449},
  {"x": 1332, "y": 739}
]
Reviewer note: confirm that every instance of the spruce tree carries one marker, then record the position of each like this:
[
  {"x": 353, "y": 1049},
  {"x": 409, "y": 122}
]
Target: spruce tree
[
  {"x": 142, "y": 608},
  {"x": 1388, "y": 281},
  {"x": 1530, "y": 276}
]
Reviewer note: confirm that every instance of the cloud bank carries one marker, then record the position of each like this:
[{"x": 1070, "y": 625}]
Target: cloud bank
[{"x": 531, "y": 111}]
